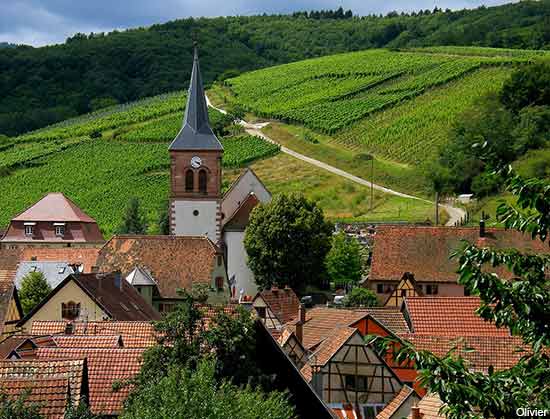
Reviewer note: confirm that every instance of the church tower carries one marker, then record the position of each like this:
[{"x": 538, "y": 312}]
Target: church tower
[{"x": 196, "y": 169}]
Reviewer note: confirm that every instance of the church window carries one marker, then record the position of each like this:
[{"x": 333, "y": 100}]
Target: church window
[
  {"x": 202, "y": 181},
  {"x": 189, "y": 180},
  {"x": 70, "y": 310},
  {"x": 219, "y": 283}
]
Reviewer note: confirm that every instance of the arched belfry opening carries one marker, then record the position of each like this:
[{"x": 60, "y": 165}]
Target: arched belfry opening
[
  {"x": 189, "y": 180},
  {"x": 203, "y": 181}
]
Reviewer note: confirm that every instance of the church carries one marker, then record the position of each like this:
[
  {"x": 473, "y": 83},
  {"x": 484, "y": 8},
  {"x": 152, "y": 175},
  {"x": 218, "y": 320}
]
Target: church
[{"x": 197, "y": 205}]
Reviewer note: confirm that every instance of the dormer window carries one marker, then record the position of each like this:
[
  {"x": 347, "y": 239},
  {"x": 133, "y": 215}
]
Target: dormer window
[
  {"x": 29, "y": 229},
  {"x": 59, "y": 229}
]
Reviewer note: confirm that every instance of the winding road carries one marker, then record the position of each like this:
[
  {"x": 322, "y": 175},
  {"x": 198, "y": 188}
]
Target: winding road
[{"x": 455, "y": 213}]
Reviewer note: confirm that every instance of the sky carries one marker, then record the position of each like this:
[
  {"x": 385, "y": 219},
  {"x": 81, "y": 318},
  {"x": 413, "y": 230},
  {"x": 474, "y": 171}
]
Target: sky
[{"x": 43, "y": 22}]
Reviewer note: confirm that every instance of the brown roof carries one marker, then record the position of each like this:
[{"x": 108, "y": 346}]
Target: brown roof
[
  {"x": 392, "y": 407},
  {"x": 425, "y": 251},
  {"x": 480, "y": 352},
  {"x": 429, "y": 407},
  {"x": 283, "y": 302},
  {"x": 173, "y": 261},
  {"x": 74, "y": 371},
  {"x": 321, "y": 321},
  {"x": 7, "y": 292},
  {"x": 105, "y": 367},
  {"x": 332, "y": 344},
  {"x": 448, "y": 316},
  {"x": 390, "y": 317},
  {"x": 135, "y": 334},
  {"x": 239, "y": 219},
  {"x": 24, "y": 345},
  {"x": 87, "y": 341},
  {"x": 86, "y": 256},
  {"x": 54, "y": 207},
  {"x": 9, "y": 259},
  {"x": 51, "y": 395}
]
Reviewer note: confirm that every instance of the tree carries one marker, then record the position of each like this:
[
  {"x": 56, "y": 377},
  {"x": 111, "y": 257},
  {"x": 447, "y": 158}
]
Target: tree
[
  {"x": 286, "y": 241},
  {"x": 360, "y": 297},
  {"x": 34, "y": 288},
  {"x": 164, "y": 218},
  {"x": 343, "y": 261},
  {"x": 530, "y": 86},
  {"x": 522, "y": 305},
  {"x": 185, "y": 393},
  {"x": 18, "y": 408},
  {"x": 134, "y": 221}
]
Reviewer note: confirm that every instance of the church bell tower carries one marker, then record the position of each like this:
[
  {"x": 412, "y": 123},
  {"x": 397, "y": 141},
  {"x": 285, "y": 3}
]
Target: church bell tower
[{"x": 196, "y": 169}]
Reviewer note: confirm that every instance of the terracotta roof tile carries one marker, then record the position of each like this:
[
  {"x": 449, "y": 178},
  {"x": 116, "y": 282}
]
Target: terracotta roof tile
[
  {"x": 392, "y": 407},
  {"x": 54, "y": 207},
  {"x": 105, "y": 367},
  {"x": 174, "y": 262},
  {"x": 425, "y": 251},
  {"x": 84, "y": 341},
  {"x": 449, "y": 316},
  {"x": 429, "y": 407},
  {"x": 24, "y": 345},
  {"x": 348, "y": 411},
  {"x": 7, "y": 289},
  {"x": 283, "y": 302},
  {"x": 51, "y": 395},
  {"x": 390, "y": 317},
  {"x": 85, "y": 256},
  {"x": 134, "y": 334},
  {"x": 239, "y": 219},
  {"x": 333, "y": 342},
  {"x": 73, "y": 370},
  {"x": 501, "y": 352}
]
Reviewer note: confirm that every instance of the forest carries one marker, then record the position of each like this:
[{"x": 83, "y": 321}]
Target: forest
[{"x": 41, "y": 86}]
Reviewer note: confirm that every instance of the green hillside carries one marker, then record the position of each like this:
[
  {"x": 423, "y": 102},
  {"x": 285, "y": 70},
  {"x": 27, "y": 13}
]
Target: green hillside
[{"x": 40, "y": 86}]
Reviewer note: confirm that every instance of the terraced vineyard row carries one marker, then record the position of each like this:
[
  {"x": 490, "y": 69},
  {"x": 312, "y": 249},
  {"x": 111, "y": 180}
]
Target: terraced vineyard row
[{"x": 330, "y": 93}]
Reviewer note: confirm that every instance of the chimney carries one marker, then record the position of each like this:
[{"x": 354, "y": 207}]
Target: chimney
[
  {"x": 415, "y": 413},
  {"x": 300, "y": 324}
]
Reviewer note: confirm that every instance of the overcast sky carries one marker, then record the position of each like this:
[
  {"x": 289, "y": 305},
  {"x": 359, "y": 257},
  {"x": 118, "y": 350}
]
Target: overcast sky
[{"x": 41, "y": 22}]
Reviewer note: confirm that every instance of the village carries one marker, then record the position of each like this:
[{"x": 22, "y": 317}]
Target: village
[{"x": 89, "y": 333}]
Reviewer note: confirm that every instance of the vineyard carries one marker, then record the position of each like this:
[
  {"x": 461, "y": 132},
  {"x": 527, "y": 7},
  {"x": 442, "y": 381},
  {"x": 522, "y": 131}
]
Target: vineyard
[{"x": 328, "y": 94}]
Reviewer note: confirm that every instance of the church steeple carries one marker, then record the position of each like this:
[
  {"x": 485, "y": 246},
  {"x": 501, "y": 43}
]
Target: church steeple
[{"x": 196, "y": 133}]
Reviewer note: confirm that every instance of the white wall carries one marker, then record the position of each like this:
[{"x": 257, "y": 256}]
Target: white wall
[
  {"x": 203, "y": 224},
  {"x": 236, "y": 263},
  {"x": 247, "y": 183}
]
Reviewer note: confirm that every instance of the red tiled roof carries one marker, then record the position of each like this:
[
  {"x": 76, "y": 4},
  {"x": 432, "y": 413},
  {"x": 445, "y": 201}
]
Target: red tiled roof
[
  {"x": 84, "y": 341},
  {"x": 105, "y": 367},
  {"x": 54, "y": 207},
  {"x": 332, "y": 344},
  {"x": 390, "y": 317},
  {"x": 425, "y": 251},
  {"x": 7, "y": 289},
  {"x": 283, "y": 302},
  {"x": 51, "y": 395},
  {"x": 239, "y": 219},
  {"x": 85, "y": 256},
  {"x": 392, "y": 407},
  {"x": 501, "y": 352},
  {"x": 24, "y": 345},
  {"x": 173, "y": 261},
  {"x": 348, "y": 411},
  {"x": 429, "y": 407},
  {"x": 448, "y": 316},
  {"x": 74, "y": 371},
  {"x": 134, "y": 334}
]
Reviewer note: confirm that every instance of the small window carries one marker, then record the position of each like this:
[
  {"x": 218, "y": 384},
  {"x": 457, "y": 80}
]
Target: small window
[
  {"x": 189, "y": 180},
  {"x": 219, "y": 283},
  {"x": 261, "y": 312},
  {"x": 202, "y": 181},
  {"x": 61, "y": 270},
  {"x": 356, "y": 382},
  {"x": 431, "y": 289},
  {"x": 380, "y": 288},
  {"x": 59, "y": 231},
  {"x": 403, "y": 293},
  {"x": 220, "y": 260},
  {"x": 29, "y": 230},
  {"x": 70, "y": 310}
]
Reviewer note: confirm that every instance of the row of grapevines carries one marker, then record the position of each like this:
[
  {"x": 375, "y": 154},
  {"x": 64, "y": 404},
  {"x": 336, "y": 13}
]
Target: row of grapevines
[{"x": 242, "y": 150}]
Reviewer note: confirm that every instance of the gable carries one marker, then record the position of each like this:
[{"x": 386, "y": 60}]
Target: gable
[{"x": 407, "y": 287}]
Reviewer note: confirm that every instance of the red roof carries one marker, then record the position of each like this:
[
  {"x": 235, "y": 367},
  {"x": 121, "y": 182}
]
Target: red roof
[
  {"x": 85, "y": 256},
  {"x": 425, "y": 251},
  {"x": 448, "y": 316},
  {"x": 50, "y": 394},
  {"x": 283, "y": 302},
  {"x": 54, "y": 207},
  {"x": 85, "y": 341},
  {"x": 331, "y": 345},
  {"x": 135, "y": 334},
  {"x": 393, "y": 406},
  {"x": 7, "y": 292},
  {"x": 105, "y": 367}
]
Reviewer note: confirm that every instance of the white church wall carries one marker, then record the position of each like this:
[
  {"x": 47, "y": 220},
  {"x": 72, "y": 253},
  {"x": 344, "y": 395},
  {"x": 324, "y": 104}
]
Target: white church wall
[
  {"x": 187, "y": 222},
  {"x": 246, "y": 184},
  {"x": 236, "y": 264}
]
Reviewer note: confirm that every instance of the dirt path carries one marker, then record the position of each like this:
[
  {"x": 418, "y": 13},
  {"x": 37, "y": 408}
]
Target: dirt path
[{"x": 455, "y": 213}]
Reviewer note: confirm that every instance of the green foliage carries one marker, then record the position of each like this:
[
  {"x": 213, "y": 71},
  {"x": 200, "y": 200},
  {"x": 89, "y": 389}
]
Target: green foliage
[
  {"x": 360, "y": 297},
  {"x": 185, "y": 393},
  {"x": 286, "y": 241},
  {"x": 522, "y": 305},
  {"x": 199, "y": 292},
  {"x": 34, "y": 288},
  {"x": 343, "y": 261},
  {"x": 134, "y": 221},
  {"x": 82, "y": 411},
  {"x": 528, "y": 87},
  {"x": 143, "y": 62},
  {"x": 164, "y": 218},
  {"x": 18, "y": 408}
]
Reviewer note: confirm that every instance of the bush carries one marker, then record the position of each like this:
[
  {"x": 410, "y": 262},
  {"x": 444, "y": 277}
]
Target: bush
[
  {"x": 34, "y": 288},
  {"x": 360, "y": 297}
]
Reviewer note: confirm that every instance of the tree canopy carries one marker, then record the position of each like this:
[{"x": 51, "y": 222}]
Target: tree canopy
[
  {"x": 344, "y": 261},
  {"x": 286, "y": 241},
  {"x": 34, "y": 288},
  {"x": 134, "y": 221},
  {"x": 360, "y": 297}
]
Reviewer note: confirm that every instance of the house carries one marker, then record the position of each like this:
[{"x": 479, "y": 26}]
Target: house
[
  {"x": 106, "y": 367},
  {"x": 164, "y": 264},
  {"x": 424, "y": 252},
  {"x": 91, "y": 297},
  {"x": 292, "y": 346},
  {"x": 52, "y": 384},
  {"x": 54, "y": 272},
  {"x": 197, "y": 207},
  {"x": 343, "y": 370},
  {"x": 401, "y": 405},
  {"x": 81, "y": 258},
  {"x": 10, "y": 308},
  {"x": 407, "y": 287},
  {"x": 54, "y": 221},
  {"x": 276, "y": 306}
]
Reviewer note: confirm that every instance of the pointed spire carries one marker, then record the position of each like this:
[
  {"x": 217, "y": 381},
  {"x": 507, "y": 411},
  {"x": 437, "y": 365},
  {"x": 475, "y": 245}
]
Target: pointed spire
[{"x": 196, "y": 133}]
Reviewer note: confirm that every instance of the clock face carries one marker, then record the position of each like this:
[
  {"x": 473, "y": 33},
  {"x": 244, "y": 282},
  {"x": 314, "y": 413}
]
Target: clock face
[{"x": 196, "y": 162}]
